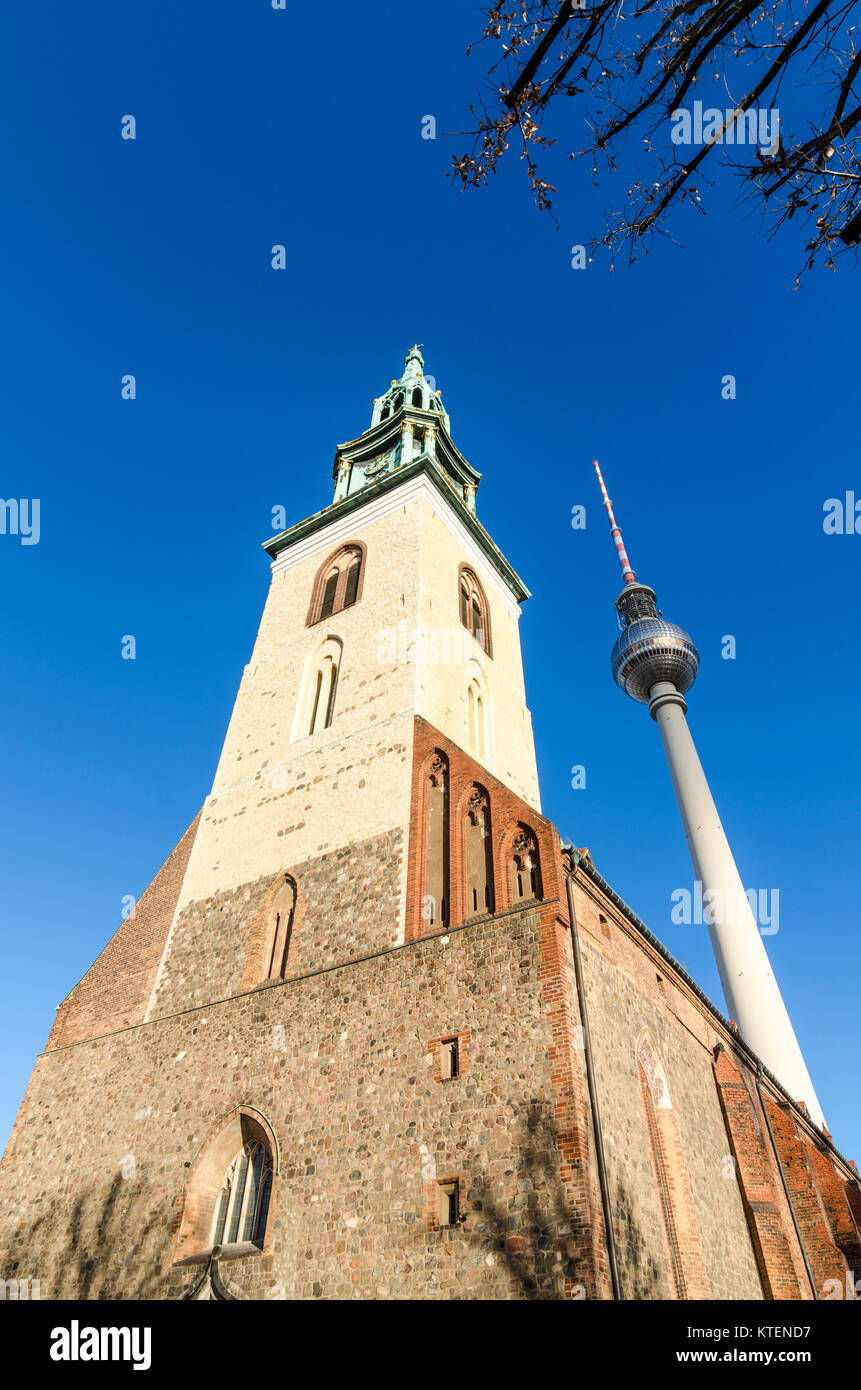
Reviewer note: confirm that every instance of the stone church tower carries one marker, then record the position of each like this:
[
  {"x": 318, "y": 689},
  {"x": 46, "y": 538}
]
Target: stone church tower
[{"x": 372, "y": 1031}]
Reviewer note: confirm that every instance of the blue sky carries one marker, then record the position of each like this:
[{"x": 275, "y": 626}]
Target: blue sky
[{"x": 256, "y": 127}]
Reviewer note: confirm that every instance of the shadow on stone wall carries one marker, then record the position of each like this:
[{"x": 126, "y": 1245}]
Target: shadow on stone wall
[
  {"x": 533, "y": 1235},
  {"x": 98, "y": 1260},
  {"x": 639, "y": 1272},
  {"x": 537, "y": 1239}
]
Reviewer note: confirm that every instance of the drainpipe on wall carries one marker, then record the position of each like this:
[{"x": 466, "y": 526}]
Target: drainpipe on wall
[
  {"x": 593, "y": 1090},
  {"x": 783, "y": 1180}
]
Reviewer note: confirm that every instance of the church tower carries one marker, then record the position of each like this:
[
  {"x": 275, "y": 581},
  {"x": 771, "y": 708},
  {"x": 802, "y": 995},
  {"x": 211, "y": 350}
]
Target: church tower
[
  {"x": 390, "y": 608},
  {"x": 373, "y": 1031}
]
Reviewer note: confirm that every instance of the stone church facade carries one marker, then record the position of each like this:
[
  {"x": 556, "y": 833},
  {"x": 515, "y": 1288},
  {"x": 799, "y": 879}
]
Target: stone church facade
[{"x": 373, "y": 1031}]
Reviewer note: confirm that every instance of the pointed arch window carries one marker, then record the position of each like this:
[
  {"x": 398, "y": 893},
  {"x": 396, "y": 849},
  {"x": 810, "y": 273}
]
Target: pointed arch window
[
  {"x": 282, "y": 913},
  {"x": 474, "y": 609},
  {"x": 243, "y": 1202},
  {"x": 338, "y": 583},
  {"x": 323, "y": 703},
  {"x": 656, "y": 1098},
  {"x": 478, "y": 857},
  {"x": 435, "y": 894},
  {"x": 524, "y": 868},
  {"x": 315, "y": 710},
  {"x": 385, "y": 412},
  {"x": 477, "y": 720},
  {"x": 418, "y": 397}
]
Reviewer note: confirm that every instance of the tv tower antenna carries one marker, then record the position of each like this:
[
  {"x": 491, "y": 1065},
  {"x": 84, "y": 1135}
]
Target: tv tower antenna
[{"x": 655, "y": 661}]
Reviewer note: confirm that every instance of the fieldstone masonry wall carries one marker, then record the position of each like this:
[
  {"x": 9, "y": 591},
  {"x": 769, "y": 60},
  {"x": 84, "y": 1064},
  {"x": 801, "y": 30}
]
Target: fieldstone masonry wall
[
  {"x": 348, "y": 905},
  {"x": 340, "y": 1066}
]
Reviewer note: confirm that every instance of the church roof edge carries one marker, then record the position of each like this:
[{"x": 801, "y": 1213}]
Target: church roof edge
[{"x": 387, "y": 483}]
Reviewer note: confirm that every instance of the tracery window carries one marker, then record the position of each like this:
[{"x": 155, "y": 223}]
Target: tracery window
[
  {"x": 243, "y": 1202},
  {"x": 477, "y": 854},
  {"x": 525, "y": 869},
  {"x": 474, "y": 612},
  {"x": 656, "y": 1098},
  {"x": 338, "y": 583}
]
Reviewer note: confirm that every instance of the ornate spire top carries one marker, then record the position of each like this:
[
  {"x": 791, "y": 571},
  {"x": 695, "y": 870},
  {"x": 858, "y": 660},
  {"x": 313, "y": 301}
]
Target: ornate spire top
[
  {"x": 409, "y": 423},
  {"x": 414, "y": 362}
]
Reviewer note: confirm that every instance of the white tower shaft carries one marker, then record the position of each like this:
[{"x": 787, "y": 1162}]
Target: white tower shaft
[{"x": 750, "y": 989}]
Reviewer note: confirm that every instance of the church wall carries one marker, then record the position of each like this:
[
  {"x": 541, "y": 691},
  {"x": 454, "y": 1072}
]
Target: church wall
[
  {"x": 344, "y": 1068},
  {"x": 348, "y": 905},
  {"x": 624, "y": 998}
]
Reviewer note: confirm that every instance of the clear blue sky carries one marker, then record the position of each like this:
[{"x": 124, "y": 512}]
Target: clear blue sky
[{"x": 256, "y": 127}]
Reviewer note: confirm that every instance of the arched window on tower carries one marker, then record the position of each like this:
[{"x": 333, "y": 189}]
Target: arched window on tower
[
  {"x": 418, "y": 397},
  {"x": 281, "y": 913},
  {"x": 338, "y": 583},
  {"x": 386, "y": 411},
  {"x": 398, "y": 401},
  {"x": 474, "y": 611},
  {"x": 524, "y": 869},
  {"x": 477, "y": 720},
  {"x": 316, "y": 708},
  {"x": 323, "y": 705},
  {"x": 243, "y": 1202},
  {"x": 435, "y": 893},
  {"x": 477, "y": 856}
]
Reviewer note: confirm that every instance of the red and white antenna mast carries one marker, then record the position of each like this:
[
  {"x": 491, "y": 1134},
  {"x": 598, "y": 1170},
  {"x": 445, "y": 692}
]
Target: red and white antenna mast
[{"x": 627, "y": 573}]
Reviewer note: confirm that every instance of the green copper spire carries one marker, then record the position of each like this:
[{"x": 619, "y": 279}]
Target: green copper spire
[{"x": 408, "y": 422}]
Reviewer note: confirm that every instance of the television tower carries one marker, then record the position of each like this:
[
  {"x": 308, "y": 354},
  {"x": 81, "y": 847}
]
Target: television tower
[{"x": 655, "y": 662}]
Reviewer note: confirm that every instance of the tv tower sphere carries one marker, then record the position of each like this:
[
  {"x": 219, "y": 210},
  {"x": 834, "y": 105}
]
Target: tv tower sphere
[{"x": 649, "y": 648}]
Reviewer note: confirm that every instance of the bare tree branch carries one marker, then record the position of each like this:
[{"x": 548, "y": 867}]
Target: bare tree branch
[{"x": 638, "y": 69}]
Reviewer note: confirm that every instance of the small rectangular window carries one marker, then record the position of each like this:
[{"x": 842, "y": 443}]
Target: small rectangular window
[
  {"x": 449, "y": 1203},
  {"x": 450, "y": 1057}
]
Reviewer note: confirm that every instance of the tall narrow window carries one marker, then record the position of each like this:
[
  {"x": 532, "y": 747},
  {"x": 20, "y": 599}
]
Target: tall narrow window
[
  {"x": 449, "y": 1203},
  {"x": 525, "y": 869},
  {"x": 281, "y": 928},
  {"x": 435, "y": 906},
  {"x": 474, "y": 611},
  {"x": 316, "y": 706},
  {"x": 417, "y": 397},
  {"x": 323, "y": 707},
  {"x": 479, "y": 862},
  {"x": 477, "y": 720},
  {"x": 338, "y": 583},
  {"x": 329, "y": 591},
  {"x": 351, "y": 588},
  {"x": 450, "y": 1058},
  {"x": 243, "y": 1203},
  {"x": 656, "y": 1096}
]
